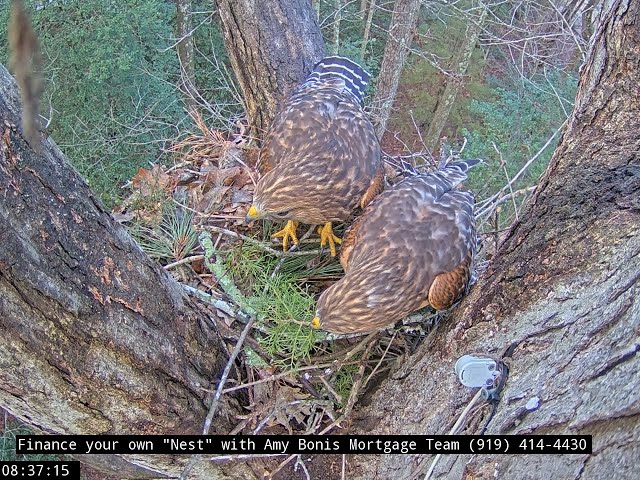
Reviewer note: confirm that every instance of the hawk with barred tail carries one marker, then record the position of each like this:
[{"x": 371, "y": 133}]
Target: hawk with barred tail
[
  {"x": 413, "y": 246},
  {"x": 322, "y": 154}
]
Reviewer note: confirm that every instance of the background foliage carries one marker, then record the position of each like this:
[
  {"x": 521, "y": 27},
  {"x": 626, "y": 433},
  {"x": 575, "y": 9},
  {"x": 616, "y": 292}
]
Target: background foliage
[
  {"x": 113, "y": 104},
  {"x": 111, "y": 76}
]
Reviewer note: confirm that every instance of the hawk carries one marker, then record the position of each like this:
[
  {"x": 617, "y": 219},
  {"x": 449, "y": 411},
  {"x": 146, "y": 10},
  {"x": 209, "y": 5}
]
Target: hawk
[
  {"x": 323, "y": 154},
  {"x": 413, "y": 246}
]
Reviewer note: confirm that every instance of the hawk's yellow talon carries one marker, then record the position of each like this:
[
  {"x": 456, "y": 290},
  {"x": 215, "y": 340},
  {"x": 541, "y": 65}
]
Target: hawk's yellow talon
[
  {"x": 315, "y": 323},
  {"x": 289, "y": 231},
  {"x": 327, "y": 237}
]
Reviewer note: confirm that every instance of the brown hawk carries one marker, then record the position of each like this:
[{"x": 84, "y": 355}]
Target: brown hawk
[
  {"x": 323, "y": 153},
  {"x": 413, "y": 246}
]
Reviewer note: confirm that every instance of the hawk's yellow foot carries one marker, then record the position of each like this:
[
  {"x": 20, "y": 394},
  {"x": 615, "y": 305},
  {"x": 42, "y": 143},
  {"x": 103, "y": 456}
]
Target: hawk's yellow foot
[
  {"x": 327, "y": 237},
  {"x": 289, "y": 231}
]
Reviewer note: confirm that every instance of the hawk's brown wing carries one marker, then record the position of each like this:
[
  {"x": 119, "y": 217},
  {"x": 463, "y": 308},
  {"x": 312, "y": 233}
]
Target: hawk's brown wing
[
  {"x": 419, "y": 232},
  {"x": 325, "y": 156},
  {"x": 322, "y": 149}
]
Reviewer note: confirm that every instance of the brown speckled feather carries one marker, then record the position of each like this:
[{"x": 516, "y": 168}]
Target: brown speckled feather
[
  {"x": 323, "y": 154},
  {"x": 412, "y": 246}
]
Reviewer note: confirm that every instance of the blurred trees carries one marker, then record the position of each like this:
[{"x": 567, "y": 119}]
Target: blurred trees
[
  {"x": 401, "y": 30},
  {"x": 455, "y": 79},
  {"x": 113, "y": 81},
  {"x": 108, "y": 99},
  {"x": 122, "y": 77},
  {"x": 184, "y": 34}
]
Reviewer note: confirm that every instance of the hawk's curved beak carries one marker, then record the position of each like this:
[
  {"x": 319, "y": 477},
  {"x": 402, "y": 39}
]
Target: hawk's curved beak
[
  {"x": 315, "y": 323},
  {"x": 252, "y": 214}
]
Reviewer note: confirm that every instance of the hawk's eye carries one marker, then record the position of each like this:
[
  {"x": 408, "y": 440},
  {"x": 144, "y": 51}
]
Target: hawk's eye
[{"x": 283, "y": 214}]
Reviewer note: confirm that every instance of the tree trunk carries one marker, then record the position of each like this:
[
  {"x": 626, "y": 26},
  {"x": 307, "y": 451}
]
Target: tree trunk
[
  {"x": 316, "y": 7},
  {"x": 273, "y": 45},
  {"x": 454, "y": 82},
  {"x": 367, "y": 28},
  {"x": 337, "y": 18},
  {"x": 95, "y": 337},
  {"x": 184, "y": 27},
  {"x": 363, "y": 8},
  {"x": 563, "y": 292},
  {"x": 401, "y": 29}
]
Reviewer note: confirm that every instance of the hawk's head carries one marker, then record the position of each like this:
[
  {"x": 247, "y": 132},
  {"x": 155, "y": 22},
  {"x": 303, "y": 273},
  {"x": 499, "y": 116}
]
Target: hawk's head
[
  {"x": 353, "y": 304},
  {"x": 285, "y": 194},
  {"x": 275, "y": 199}
]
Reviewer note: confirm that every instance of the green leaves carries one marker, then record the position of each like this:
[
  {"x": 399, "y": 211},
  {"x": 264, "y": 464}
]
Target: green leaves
[
  {"x": 518, "y": 117},
  {"x": 111, "y": 79}
]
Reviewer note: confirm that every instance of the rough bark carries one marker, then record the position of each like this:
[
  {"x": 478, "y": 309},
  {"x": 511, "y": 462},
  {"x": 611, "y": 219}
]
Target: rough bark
[
  {"x": 401, "y": 29},
  {"x": 94, "y": 336},
  {"x": 564, "y": 292},
  {"x": 272, "y": 45},
  {"x": 454, "y": 82}
]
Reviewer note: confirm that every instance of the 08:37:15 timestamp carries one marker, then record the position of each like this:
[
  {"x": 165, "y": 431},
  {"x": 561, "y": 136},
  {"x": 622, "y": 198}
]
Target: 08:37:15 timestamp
[{"x": 62, "y": 470}]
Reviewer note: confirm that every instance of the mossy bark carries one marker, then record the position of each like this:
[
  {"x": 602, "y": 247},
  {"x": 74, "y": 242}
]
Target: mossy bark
[
  {"x": 94, "y": 336},
  {"x": 564, "y": 292}
]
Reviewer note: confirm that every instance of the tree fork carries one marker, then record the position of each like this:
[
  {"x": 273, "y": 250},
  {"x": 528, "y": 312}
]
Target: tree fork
[{"x": 561, "y": 300}]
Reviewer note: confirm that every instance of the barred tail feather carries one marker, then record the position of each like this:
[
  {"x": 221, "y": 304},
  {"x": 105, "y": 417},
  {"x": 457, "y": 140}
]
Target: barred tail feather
[
  {"x": 355, "y": 77},
  {"x": 463, "y": 165},
  {"x": 448, "y": 177},
  {"x": 456, "y": 171}
]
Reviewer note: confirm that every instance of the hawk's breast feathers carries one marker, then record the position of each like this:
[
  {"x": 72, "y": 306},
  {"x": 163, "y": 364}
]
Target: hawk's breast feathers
[
  {"x": 412, "y": 246},
  {"x": 322, "y": 149}
]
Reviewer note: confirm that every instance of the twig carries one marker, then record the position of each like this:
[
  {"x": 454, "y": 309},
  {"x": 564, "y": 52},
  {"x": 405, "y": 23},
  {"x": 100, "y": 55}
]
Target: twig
[
  {"x": 278, "y": 376},
  {"x": 292, "y": 249},
  {"x": 216, "y": 398},
  {"x": 303, "y": 466},
  {"x": 225, "y": 374},
  {"x": 193, "y": 258},
  {"x": 258, "y": 243},
  {"x": 206, "y": 215},
  {"x": 348, "y": 351},
  {"x": 487, "y": 204},
  {"x": 229, "y": 309},
  {"x": 364, "y": 344},
  {"x": 509, "y": 183},
  {"x": 453, "y": 431},
  {"x": 347, "y": 409},
  {"x": 224, "y": 279},
  {"x": 330, "y": 389},
  {"x": 381, "y": 359},
  {"x": 232, "y": 458}
]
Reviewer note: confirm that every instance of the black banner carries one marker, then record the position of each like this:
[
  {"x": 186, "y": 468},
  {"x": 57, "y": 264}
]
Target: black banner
[
  {"x": 40, "y": 469},
  {"x": 297, "y": 444}
]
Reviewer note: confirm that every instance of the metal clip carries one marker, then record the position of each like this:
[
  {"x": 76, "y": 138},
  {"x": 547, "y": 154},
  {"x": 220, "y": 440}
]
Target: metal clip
[{"x": 475, "y": 371}]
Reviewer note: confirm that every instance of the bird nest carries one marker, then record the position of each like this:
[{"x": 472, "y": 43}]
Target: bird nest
[{"x": 288, "y": 377}]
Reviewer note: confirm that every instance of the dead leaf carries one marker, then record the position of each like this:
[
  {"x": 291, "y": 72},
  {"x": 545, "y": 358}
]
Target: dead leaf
[{"x": 148, "y": 182}]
